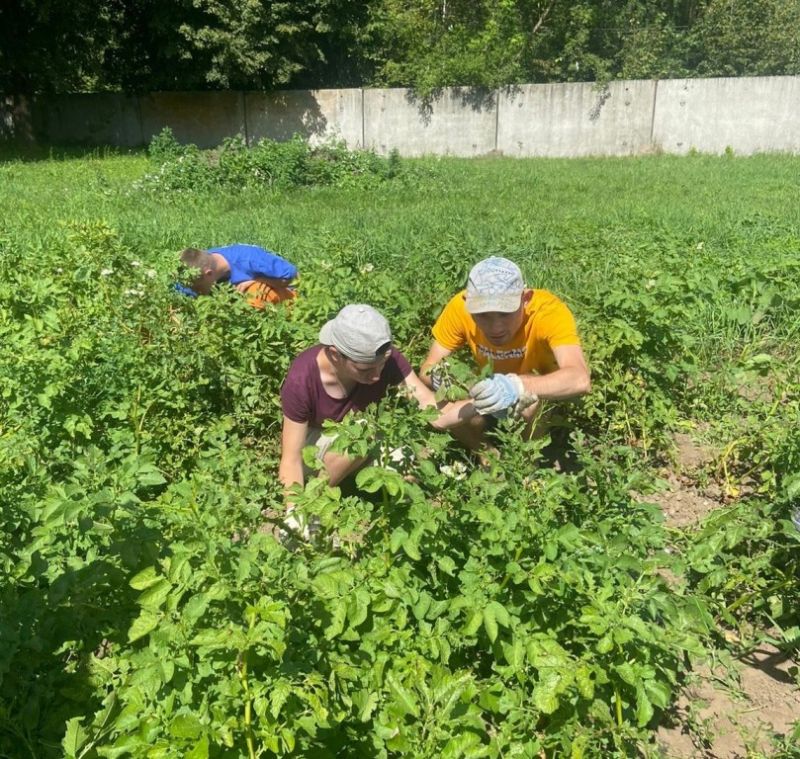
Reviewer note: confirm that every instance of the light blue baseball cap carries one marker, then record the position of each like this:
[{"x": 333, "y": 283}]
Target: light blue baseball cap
[
  {"x": 358, "y": 331},
  {"x": 494, "y": 284}
]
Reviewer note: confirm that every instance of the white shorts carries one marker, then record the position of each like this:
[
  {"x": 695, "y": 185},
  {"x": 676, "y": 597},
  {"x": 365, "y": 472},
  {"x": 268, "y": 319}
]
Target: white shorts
[{"x": 322, "y": 442}]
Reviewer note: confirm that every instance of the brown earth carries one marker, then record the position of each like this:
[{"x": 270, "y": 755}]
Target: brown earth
[
  {"x": 721, "y": 714},
  {"x": 714, "y": 718},
  {"x": 685, "y": 503}
]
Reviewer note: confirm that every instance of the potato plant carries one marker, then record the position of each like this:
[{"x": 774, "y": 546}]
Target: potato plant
[{"x": 446, "y": 608}]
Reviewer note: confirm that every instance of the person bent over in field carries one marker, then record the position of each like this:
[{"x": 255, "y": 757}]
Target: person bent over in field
[
  {"x": 529, "y": 335},
  {"x": 353, "y": 366},
  {"x": 262, "y": 276}
]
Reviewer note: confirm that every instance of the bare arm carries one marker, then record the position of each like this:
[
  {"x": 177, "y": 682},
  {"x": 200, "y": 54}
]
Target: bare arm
[
  {"x": 450, "y": 414},
  {"x": 435, "y": 355},
  {"x": 570, "y": 380},
  {"x": 293, "y": 440}
]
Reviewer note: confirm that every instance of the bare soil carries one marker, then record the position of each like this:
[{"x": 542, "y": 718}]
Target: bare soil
[
  {"x": 685, "y": 503},
  {"x": 721, "y": 714},
  {"x": 714, "y": 720}
]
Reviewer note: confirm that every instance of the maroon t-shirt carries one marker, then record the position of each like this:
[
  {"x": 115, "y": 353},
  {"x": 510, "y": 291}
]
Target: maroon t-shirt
[{"x": 304, "y": 398}]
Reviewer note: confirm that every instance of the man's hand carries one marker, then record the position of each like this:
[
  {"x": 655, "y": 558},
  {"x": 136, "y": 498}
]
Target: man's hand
[
  {"x": 299, "y": 529},
  {"x": 501, "y": 395},
  {"x": 439, "y": 379}
]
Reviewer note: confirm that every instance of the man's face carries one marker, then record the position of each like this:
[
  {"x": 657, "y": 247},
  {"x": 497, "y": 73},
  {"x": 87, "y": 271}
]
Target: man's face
[
  {"x": 363, "y": 374},
  {"x": 500, "y": 327},
  {"x": 204, "y": 281}
]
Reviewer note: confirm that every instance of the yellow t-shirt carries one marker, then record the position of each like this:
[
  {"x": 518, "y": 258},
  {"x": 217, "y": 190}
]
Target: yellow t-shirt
[{"x": 548, "y": 324}]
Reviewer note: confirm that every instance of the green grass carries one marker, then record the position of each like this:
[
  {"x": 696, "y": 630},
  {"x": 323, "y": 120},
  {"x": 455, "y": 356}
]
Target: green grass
[{"x": 139, "y": 435}]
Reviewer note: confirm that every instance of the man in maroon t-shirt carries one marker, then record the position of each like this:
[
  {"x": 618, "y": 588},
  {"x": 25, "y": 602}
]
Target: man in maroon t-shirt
[{"x": 352, "y": 367}]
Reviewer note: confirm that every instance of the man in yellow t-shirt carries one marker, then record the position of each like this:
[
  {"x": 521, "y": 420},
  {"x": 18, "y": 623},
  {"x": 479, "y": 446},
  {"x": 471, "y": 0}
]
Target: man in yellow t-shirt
[{"x": 529, "y": 335}]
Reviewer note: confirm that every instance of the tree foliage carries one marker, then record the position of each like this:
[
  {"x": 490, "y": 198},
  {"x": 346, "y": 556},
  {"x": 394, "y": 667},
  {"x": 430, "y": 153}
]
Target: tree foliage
[{"x": 425, "y": 44}]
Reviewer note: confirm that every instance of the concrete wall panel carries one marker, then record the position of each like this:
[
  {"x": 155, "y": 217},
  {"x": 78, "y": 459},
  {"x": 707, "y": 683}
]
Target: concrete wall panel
[
  {"x": 316, "y": 115},
  {"x": 458, "y": 122},
  {"x": 569, "y": 120},
  {"x": 749, "y": 115},
  {"x": 90, "y": 119},
  {"x": 203, "y": 118},
  {"x": 16, "y": 120}
]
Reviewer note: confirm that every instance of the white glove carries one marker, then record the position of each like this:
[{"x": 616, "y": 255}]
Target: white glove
[
  {"x": 439, "y": 379},
  {"x": 501, "y": 395},
  {"x": 300, "y": 529}
]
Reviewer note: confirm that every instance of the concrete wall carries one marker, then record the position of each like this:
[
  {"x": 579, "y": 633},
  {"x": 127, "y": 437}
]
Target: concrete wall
[
  {"x": 204, "y": 118},
  {"x": 459, "y": 122},
  {"x": 99, "y": 119},
  {"x": 748, "y": 115},
  {"x": 575, "y": 119},
  {"x": 317, "y": 115}
]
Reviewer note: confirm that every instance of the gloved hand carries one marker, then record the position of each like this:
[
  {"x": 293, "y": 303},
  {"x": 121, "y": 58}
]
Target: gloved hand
[
  {"x": 299, "y": 529},
  {"x": 439, "y": 378},
  {"x": 501, "y": 395}
]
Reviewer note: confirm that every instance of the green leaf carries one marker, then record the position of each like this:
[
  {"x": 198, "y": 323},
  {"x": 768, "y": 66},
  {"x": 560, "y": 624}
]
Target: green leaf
[
  {"x": 185, "y": 726},
  {"x": 474, "y": 622},
  {"x": 402, "y": 696},
  {"x": 74, "y": 737},
  {"x": 412, "y": 549},
  {"x": 447, "y": 565},
  {"x": 584, "y": 681},
  {"x": 200, "y": 750},
  {"x": 644, "y": 709},
  {"x": 145, "y": 578},
  {"x": 338, "y": 616},
  {"x": 545, "y": 693},
  {"x": 500, "y": 614},
  {"x": 155, "y": 595},
  {"x": 658, "y": 693},
  {"x": 366, "y": 703},
  {"x": 490, "y": 622},
  {"x": 279, "y": 693},
  {"x": 626, "y": 672},
  {"x": 399, "y": 536},
  {"x": 357, "y": 608},
  {"x": 146, "y": 622}
]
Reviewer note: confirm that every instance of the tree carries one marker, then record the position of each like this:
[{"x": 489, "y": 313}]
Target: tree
[{"x": 50, "y": 45}]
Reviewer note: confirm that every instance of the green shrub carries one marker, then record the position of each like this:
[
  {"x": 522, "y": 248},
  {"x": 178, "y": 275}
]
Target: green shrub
[{"x": 269, "y": 164}]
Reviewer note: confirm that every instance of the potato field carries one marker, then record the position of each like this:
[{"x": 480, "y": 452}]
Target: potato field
[{"x": 567, "y": 598}]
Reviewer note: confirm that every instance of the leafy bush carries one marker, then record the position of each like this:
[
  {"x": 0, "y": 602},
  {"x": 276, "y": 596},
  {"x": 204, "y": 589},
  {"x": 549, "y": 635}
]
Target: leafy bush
[
  {"x": 164, "y": 147},
  {"x": 268, "y": 164}
]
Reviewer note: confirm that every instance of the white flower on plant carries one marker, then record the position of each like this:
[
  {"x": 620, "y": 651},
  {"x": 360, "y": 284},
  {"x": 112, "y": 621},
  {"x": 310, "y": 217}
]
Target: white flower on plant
[
  {"x": 366, "y": 268},
  {"x": 151, "y": 273},
  {"x": 136, "y": 263},
  {"x": 455, "y": 471},
  {"x": 699, "y": 246},
  {"x": 59, "y": 270},
  {"x": 106, "y": 272}
]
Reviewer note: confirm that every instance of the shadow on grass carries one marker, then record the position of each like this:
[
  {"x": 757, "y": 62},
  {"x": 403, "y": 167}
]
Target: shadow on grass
[{"x": 30, "y": 153}]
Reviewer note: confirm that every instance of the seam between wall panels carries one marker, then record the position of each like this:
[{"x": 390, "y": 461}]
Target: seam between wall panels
[
  {"x": 244, "y": 118},
  {"x": 653, "y": 115},
  {"x": 363, "y": 120},
  {"x": 496, "y": 119},
  {"x": 140, "y": 119}
]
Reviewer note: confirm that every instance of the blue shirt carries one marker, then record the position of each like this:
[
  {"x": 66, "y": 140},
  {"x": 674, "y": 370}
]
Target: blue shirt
[{"x": 249, "y": 261}]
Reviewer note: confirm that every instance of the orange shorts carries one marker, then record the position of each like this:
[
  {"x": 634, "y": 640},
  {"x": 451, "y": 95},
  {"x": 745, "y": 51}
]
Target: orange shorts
[{"x": 265, "y": 290}]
